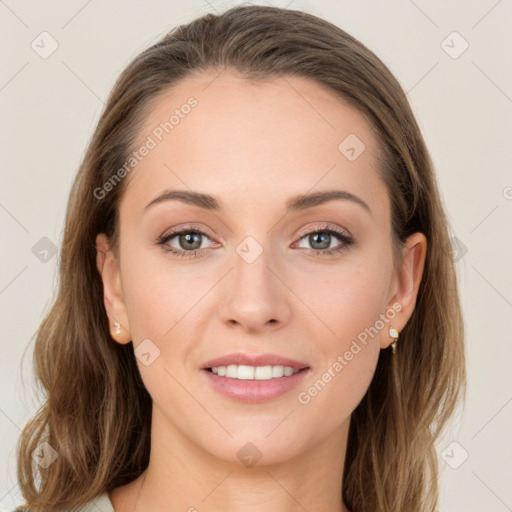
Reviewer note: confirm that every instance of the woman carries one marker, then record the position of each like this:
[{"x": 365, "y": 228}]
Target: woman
[{"x": 257, "y": 304}]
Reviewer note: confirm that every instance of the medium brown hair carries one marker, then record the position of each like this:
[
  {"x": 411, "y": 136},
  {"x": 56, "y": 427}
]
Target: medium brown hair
[{"x": 97, "y": 412}]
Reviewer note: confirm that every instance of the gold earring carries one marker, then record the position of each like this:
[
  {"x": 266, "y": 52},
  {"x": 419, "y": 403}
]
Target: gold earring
[
  {"x": 117, "y": 327},
  {"x": 394, "y": 334}
]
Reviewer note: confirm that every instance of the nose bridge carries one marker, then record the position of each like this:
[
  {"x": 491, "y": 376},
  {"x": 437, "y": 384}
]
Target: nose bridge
[
  {"x": 252, "y": 277},
  {"x": 255, "y": 296}
]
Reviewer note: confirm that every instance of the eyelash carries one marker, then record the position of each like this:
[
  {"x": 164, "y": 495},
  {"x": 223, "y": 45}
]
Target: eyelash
[{"x": 346, "y": 239}]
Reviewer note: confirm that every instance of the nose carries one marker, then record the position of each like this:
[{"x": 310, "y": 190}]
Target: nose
[{"x": 256, "y": 298}]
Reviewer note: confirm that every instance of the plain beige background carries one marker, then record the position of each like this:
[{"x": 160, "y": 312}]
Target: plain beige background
[{"x": 463, "y": 101}]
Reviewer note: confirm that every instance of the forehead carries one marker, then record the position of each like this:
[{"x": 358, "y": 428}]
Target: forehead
[{"x": 254, "y": 141}]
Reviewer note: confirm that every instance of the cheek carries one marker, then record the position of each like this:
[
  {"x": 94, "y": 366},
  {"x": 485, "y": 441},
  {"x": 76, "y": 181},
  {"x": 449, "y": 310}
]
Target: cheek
[
  {"x": 349, "y": 303},
  {"x": 157, "y": 295},
  {"x": 347, "y": 299},
  {"x": 350, "y": 353},
  {"x": 334, "y": 393}
]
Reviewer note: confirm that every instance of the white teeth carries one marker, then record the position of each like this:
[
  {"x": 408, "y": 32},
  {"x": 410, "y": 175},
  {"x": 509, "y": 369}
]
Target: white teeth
[
  {"x": 244, "y": 372},
  {"x": 277, "y": 371},
  {"x": 288, "y": 371},
  {"x": 263, "y": 373}
]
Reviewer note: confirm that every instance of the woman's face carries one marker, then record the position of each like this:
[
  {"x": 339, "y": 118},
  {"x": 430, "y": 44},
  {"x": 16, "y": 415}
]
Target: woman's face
[{"x": 249, "y": 274}]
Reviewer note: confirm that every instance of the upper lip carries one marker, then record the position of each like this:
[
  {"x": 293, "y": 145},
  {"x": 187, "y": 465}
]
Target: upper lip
[{"x": 255, "y": 360}]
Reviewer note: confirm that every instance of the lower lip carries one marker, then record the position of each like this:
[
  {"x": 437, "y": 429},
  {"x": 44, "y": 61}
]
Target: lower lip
[{"x": 252, "y": 391}]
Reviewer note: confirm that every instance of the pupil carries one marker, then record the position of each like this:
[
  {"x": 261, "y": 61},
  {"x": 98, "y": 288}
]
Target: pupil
[
  {"x": 189, "y": 238},
  {"x": 323, "y": 244}
]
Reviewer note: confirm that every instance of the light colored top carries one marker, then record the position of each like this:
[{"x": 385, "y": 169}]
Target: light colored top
[{"x": 101, "y": 503}]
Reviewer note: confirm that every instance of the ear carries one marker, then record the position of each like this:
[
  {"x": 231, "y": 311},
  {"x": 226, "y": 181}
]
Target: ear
[
  {"x": 407, "y": 282},
  {"x": 108, "y": 268}
]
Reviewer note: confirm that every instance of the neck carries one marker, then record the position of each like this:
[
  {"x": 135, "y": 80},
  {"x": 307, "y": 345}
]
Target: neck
[{"x": 183, "y": 476}]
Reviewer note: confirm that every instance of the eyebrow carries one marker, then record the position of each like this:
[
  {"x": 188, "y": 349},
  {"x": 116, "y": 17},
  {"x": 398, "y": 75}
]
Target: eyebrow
[{"x": 296, "y": 203}]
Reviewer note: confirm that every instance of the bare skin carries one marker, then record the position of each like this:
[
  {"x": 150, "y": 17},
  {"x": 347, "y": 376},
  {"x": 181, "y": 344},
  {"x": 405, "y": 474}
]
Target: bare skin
[{"x": 254, "y": 146}]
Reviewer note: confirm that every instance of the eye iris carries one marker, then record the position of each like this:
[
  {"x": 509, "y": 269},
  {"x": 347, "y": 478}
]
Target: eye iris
[
  {"x": 323, "y": 245},
  {"x": 187, "y": 238}
]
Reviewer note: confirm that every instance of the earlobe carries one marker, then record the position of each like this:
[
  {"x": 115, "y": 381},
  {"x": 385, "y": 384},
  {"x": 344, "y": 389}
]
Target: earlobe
[
  {"x": 408, "y": 279},
  {"x": 112, "y": 291}
]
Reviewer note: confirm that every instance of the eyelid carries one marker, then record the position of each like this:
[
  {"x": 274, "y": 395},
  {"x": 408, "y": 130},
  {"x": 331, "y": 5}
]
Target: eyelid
[
  {"x": 343, "y": 235},
  {"x": 301, "y": 234},
  {"x": 185, "y": 228},
  {"x": 324, "y": 226}
]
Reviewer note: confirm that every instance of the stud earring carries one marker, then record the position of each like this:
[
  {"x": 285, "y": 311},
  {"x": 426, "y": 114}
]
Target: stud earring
[
  {"x": 394, "y": 334},
  {"x": 117, "y": 327}
]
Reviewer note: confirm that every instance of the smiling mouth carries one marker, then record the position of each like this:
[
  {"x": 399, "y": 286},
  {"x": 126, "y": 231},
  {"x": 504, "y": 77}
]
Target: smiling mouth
[{"x": 261, "y": 373}]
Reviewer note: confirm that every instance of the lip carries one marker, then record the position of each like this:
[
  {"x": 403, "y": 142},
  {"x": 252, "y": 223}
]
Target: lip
[
  {"x": 255, "y": 360},
  {"x": 252, "y": 391}
]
